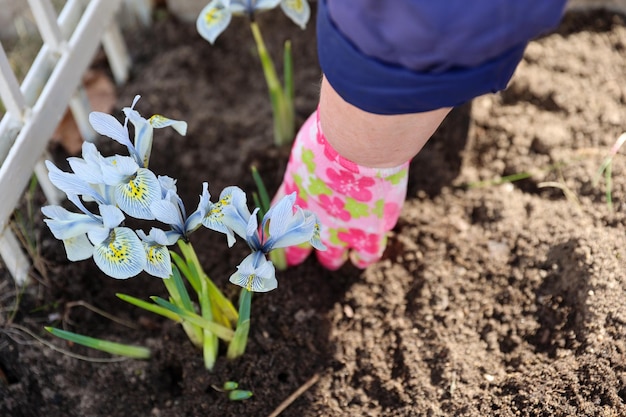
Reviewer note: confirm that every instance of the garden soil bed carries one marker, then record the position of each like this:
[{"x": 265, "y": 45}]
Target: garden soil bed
[{"x": 493, "y": 299}]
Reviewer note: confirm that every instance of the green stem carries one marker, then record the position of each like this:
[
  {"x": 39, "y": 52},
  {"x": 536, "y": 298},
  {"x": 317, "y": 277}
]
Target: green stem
[{"x": 282, "y": 105}]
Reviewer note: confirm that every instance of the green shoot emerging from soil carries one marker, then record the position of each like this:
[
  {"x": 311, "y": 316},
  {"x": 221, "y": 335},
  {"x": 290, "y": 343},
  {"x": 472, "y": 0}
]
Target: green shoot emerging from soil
[{"x": 216, "y": 17}]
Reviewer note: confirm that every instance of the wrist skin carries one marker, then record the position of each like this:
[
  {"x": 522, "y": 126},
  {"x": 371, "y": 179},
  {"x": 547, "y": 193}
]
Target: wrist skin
[{"x": 374, "y": 140}]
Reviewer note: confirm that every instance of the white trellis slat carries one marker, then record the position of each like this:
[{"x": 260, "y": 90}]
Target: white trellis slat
[
  {"x": 49, "y": 29},
  {"x": 10, "y": 92},
  {"x": 35, "y": 108}
]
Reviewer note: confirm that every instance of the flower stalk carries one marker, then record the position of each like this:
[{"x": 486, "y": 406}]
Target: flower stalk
[{"x": 281, "y": 96}]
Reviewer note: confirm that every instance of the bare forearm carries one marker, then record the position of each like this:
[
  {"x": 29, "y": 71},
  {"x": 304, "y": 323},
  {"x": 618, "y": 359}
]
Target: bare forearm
[{"x": 372, "y": 140}]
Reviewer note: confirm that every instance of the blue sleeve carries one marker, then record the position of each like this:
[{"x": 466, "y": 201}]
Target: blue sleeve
[{"x": 408, "y": 56}]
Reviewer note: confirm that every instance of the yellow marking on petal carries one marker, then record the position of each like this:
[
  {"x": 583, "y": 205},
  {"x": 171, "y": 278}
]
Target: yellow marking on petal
[
  {"x": 316, "y": 230},
  {"x": 136, "y": 189},
  {"x": 155, "y": 256},
  {"x": 249, "y": 282},
  {"x": 295, "y": 5},
  {"x": 116, "y": 252},
  {"x": 156, "y": 119},
  {"x": 212, "y": 16}
]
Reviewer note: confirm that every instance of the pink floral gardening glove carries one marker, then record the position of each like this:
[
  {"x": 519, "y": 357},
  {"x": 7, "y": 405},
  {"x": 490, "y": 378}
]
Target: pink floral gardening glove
[{"x": 356, "y": 205}]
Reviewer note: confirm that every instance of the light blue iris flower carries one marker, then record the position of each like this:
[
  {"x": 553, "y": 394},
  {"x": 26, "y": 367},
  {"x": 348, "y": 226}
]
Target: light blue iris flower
[
  {"x": 115, "y": 180},
  {"x": 117, "y": 251},
  {"x": 171, "y": 211},
  {"x": 140, "y": 150},
  {"x": 216, "y": 16},
  {"x": 158, "y": 260},
  {"x": 255, "y": 273},
  {"x": 285, "y": 224},
  {"x": 229, "y": 215}
]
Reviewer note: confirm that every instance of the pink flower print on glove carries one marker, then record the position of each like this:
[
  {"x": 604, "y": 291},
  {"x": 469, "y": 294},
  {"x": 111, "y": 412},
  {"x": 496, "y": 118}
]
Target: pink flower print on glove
[{"x": 356, "y": 205}]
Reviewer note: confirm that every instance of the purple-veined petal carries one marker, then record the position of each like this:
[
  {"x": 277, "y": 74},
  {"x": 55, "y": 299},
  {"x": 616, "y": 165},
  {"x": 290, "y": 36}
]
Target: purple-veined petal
[
  {"x": 137, "y": 195},
  {"x": 255, "y": 273},
  {"x": 121, "y": 255},
  {"x": 213, "y": 20},
  {"x": 297, "y": 10}
]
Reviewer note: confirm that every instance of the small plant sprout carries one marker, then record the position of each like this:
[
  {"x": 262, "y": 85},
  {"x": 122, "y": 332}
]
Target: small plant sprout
[
  {"x": 123, "y": 186},
  {"x": 215, "y": 18},
  {"x": 607, "y": 167},
  {"x": 234, "y": 393}
]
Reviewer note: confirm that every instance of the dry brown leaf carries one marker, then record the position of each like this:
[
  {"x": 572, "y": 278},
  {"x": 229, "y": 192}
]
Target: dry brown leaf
[{"x": 102, "y": 97}]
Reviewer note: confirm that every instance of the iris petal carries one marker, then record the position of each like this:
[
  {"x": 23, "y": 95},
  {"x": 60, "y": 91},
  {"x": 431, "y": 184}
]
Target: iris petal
[
  {"x": 213, "y": 20},
  {"x": 115, "y": 169},
  {"x": 121, "y": 255},
  {"x": 66, "y": 225},
  {"x": 143, "y": 136},
  {"x": 70, "y": 183},
  {"x": 167, "y": 212},
  {"x": 107, "y": 125},
  {"x": 78, "y": 248},
  {"x": 158, "y": 121},
  {"x": 266, "y": 4},
  {"x": 137, "y": 195},
  {"x": 297, "y": 10},
  {"x": 158, "y": 261},
  {"x": 255, "y": 273}
]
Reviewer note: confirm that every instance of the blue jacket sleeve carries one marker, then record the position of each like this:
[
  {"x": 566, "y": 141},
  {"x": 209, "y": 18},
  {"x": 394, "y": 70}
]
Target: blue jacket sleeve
[{"x": 409, "y": 56}]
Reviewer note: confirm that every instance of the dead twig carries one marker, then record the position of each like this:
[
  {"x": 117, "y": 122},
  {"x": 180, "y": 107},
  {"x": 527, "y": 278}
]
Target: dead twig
[{"x": 308, "y": 384}]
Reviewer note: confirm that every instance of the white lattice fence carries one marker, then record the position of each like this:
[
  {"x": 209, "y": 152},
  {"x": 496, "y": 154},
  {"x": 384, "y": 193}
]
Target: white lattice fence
[{"x": 34, "y": 108}]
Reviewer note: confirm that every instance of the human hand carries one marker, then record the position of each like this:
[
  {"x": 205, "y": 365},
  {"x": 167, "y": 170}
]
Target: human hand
[{"x": 356, "y": 205}]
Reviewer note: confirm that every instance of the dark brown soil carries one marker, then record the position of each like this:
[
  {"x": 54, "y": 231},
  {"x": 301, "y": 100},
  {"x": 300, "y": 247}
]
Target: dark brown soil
[{"x": 491, "y": 300}]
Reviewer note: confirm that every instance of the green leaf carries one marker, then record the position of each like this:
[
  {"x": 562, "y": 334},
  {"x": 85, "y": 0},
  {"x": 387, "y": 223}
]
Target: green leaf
[
  {"x": 230, "y": 385},
  {"x": 210, "y": 342},
  {"x": 180, "y": 263},
  {"x": 288, "y": 72},
  {"x": 136, "y": 352},
  {"x": 239, "y": 395},
  {"x": 220, "y": 331},
  {"x": 237, "y": 346},
  {"x": 153, "y": 308},
  {"x": 263, "y": 194}
]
